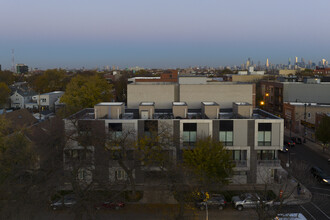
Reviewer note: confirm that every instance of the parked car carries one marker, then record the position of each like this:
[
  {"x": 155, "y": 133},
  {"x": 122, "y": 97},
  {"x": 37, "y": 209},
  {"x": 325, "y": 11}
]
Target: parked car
[
  {"x": 110, "y": 205},
  {"x": 289, "y": 143},
  {"x": 320, "y": 175},
  {"x": 216, "y": 201},
  {"x": 66, "y": 201},
  {"x": 250, "y": 200}
]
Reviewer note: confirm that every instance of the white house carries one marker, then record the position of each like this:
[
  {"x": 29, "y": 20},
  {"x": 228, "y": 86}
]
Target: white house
[
  {"x": 47, "y": 100},
  {"x": 20, "y": 98}
]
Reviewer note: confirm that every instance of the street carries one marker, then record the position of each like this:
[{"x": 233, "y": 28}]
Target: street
[{"x": 319, "y": 207}]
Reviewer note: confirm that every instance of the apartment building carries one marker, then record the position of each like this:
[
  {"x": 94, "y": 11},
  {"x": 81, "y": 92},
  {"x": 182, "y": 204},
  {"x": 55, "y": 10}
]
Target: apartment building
[
  {"x": 252, "y": 135},
  {"x": 189, "y": 89},
  {"x": 274, "y": 93}
]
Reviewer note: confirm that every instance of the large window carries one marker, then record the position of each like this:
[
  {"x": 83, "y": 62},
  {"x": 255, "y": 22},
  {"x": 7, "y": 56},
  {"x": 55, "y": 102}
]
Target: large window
[
  {"x": 239, "y": 154},
  {"x": 264, "y": 134},
  {"x": 189, "y": 133},
  {"x": 150, "y": 128},
  {"x": 226, "y": 132},
  {"x": 266, "y": 155},
  {"x": 115, "y": 130}
]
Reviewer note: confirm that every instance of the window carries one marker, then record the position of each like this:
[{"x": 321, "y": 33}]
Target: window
[
  {"x": 115, "y": 130},
  {"x": 150, "y": 128},
  {"x": 81, "y": 174},
  {"x": 43, "y": 100},
  {"x": 226, "y": 132},
  {"x": 309, "y": 115},
  {"x": 120, "y": 175},
  {"x": 266, "y": 155},
  {"x": 189, "y": 133},
  {"x": 239, "y": 154},
  {"x": 264, "y": 134}
]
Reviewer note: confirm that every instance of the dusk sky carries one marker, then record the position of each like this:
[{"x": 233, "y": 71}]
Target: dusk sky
[{"x": 166, "y": 34}]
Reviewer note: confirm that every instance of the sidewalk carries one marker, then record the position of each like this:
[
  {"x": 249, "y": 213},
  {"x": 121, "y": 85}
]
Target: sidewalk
[
  {"x": 289, "y": 192},
  {"x": 310, "y": 144}
]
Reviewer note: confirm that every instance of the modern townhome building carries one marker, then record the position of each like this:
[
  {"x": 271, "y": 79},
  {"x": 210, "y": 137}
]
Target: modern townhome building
[
  {"x": 189, "y": 89},
  {"x": 47, "y": 100},
  {"x": 253, "y": 136}
]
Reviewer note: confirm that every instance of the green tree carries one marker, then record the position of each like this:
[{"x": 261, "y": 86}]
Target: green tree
[
  {"x": 120, "y": 87},
  {"x": 209, "y": 161},
  {"x": 4, "y": 93},
  {"x": 323, "y": 131},
  {"x": 7, "y": 77},
  {"x": 85, "y": 92},
  {"x": 50, "y": 80}
]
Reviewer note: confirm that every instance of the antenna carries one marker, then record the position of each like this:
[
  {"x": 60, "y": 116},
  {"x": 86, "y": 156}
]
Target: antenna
[{"x": 13, "y": 60}]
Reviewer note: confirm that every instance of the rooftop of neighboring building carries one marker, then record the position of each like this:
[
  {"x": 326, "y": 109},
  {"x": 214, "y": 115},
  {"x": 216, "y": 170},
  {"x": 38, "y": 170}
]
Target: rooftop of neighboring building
[{"x": 89, "y": 114}]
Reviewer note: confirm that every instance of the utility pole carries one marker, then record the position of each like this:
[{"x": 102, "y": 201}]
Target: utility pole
[{"x": 305, "y": 123}]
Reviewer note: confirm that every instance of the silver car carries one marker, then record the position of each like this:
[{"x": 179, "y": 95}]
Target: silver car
[{"x": 249, "y": 200}]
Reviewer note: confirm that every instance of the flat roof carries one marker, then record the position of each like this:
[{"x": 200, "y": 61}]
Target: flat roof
[
  {"x": 210, "y": 103},
  {"x": 242, "y": 103},
  {"x": 179, "y": 103},
  {"x": 110, "y": 104},
  {"x": 147, "y": 103}
]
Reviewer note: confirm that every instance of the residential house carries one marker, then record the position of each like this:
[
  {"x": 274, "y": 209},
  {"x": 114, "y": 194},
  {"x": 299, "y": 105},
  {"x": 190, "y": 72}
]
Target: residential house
[{"x": 47, "y": 100}]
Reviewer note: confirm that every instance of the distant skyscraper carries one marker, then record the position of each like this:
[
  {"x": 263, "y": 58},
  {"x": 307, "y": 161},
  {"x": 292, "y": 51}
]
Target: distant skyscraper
[
  {"x": 289, "y": 61},
  {"x": 267, "y": 63},
  {"x": 296, "y": 59},
  {"x": 21, "y": 68},
  {"x": 323, "y": 62}
]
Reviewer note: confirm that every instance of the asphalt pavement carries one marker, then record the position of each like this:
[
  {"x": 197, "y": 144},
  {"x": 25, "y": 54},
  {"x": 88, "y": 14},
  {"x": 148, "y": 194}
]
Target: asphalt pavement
[{"x": 306, "y": 155}]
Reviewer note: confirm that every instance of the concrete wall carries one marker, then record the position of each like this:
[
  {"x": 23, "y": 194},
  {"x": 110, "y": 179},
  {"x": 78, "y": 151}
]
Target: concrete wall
[
  {"x": 222, "y": 93},
  {"x": 240, "y": 133},
  {"x": 287, "y": 72},
  {"x": 192, "y": 80},
  {"x": 246, "y": 78},
  {"x": 108, "y": 111},
  {"x": 317, "y": 93},
  {"x": 162, "y": 95}
]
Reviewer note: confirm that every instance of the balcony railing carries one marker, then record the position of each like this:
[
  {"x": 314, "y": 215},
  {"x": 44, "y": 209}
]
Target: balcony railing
[
  {"x": 240, "y": 163},
  {"x": 270, "y": 163}
]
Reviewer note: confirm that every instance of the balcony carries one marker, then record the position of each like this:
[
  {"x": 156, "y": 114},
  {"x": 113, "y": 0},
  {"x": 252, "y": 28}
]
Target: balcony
[
  {"x": 239, "y": 163},
  {"x": 269, "y": 163}
]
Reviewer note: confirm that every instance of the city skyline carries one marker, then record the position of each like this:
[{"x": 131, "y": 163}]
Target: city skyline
[{"x": 161, "y": 34}]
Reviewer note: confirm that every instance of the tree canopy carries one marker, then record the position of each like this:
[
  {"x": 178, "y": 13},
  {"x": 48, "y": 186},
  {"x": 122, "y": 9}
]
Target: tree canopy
[
  {"x": 210, "y": 161},
  {"x": 50, "y": 80},
  {"x": 7, "y": 77},
  {"x": 86, "y": 91},
  {"x": 4, "y": 93},
  {"x": 323, "y": 131}
]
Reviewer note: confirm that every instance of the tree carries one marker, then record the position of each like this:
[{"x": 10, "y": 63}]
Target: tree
[
  {"x": 4, "y": 94},
  {"x": 17, "y": 164},
  {"x": 86, "y": 91},
  {"x": 210, "y": 162},
  {"x": 120, "y": 87},
  {"x": 51, "y": 80},
  {"x": 7, "y": 77},
  {"x": 323, "y": 131}
]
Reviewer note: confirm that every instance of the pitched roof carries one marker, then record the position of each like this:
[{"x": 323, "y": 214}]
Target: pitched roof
[{"x": 20, "y": 118}]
